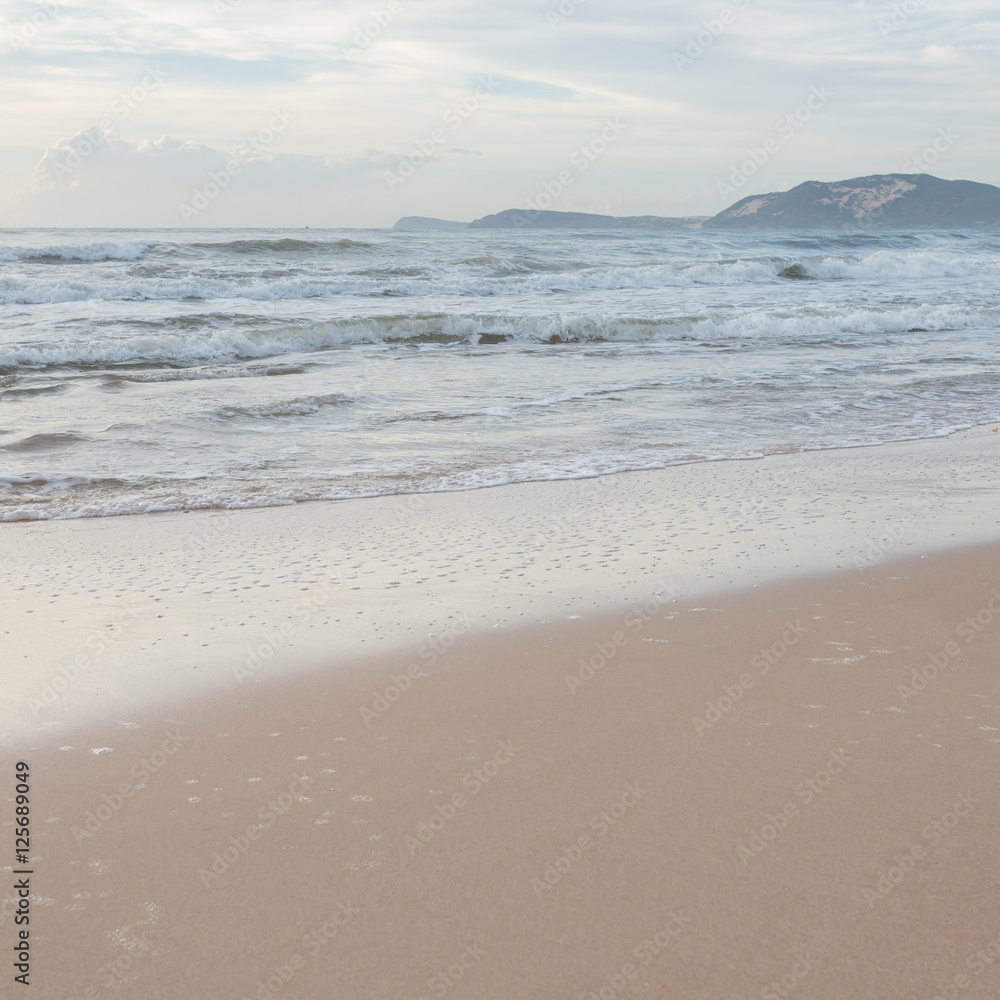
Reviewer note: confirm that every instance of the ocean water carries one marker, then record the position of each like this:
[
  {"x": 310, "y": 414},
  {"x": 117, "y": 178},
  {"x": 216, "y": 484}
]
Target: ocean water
[{"x": 184, "y": 369}]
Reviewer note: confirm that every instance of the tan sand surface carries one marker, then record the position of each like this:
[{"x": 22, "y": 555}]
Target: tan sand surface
[{"x": 511, "y": 823}]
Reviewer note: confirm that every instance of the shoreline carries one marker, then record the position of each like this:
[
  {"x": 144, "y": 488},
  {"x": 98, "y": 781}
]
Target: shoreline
[
  {"x": 975, "y": 428},
  {"x": 782, "y": 783},
  {"x": 197, "y": 598}
]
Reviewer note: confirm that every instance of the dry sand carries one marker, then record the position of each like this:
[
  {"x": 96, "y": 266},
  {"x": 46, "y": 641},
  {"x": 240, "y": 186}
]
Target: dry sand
[{"x": 789, "y": 839}]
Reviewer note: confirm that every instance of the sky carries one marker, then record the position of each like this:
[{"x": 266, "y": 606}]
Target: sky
[{"x": 207, "y": 113}]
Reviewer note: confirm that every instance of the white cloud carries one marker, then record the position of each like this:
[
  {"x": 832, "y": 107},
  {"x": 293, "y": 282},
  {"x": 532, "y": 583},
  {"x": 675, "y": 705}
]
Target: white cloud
[
  {"x": 98, "y": 179},
  {"x": 226, "y": 70},
  {"x": 946, "y": 54}
]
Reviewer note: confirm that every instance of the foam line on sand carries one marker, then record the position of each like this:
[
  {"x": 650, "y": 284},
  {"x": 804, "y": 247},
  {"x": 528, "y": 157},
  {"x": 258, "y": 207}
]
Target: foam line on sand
[{"x": 115, "y": 613}]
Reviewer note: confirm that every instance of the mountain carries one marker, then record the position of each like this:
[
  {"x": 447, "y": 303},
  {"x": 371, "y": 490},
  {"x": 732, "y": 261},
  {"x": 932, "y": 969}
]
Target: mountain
[
  {"x": 883, "y": 201},
  {"x": 420, "y": 222},
  {"x": 880, "y": 201},
  {"x": 526, "y": 218}
]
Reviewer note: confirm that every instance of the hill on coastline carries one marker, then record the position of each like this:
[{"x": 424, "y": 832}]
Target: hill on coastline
[
  {"x": 526, "y": 218},
  {"x": 421, "y": 223},
  {"x": 879, "y": 201}
]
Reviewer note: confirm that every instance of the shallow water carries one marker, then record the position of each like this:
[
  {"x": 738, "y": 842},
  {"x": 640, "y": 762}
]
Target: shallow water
[{"x": 177, "y": 369}]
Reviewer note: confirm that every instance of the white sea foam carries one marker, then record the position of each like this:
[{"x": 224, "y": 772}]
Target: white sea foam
[
  {"x": 482, "y": 277},
  {"x": 271, "y": 339},
  {"x": 105, "y": 250},
  {"x": 186, "y": 370}
]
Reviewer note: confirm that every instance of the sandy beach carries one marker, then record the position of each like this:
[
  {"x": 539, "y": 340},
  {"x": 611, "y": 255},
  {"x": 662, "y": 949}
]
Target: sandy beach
[
  {"x": 757, "y": 763},
  {"x": 116, "y": 613},
  {"x": 499, "y": 503}
]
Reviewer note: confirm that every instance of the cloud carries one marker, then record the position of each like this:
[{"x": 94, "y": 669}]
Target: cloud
[
  {"x": 943, "y": 54},
  {"x": 95, "y": 178},
  {"x": 364, "y": 75}
]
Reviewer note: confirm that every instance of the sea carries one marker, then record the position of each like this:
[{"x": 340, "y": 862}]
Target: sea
[{"x": 156, "y": 370}]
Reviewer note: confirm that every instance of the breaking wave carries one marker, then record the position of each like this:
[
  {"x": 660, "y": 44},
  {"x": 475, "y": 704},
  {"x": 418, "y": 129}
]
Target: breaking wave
[
  {"x": 235, "y": 344},
  {"x": 83, "y": 252},
  {"x": 477, "y": 276}
]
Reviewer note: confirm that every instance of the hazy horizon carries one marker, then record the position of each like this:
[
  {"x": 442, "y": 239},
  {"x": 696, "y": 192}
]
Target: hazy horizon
[{"x": 223, "y": 113}]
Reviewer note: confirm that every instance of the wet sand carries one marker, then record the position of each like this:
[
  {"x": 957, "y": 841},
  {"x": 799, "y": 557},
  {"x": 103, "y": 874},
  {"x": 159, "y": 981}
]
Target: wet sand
[
  {"x": 127, "y": 612},
  {"x": 731, "y": 796}
]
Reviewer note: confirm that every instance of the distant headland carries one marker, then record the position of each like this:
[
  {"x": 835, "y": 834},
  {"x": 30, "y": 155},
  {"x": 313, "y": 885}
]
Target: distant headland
[
  {"x": 526, "y": 218},
  {"x": 421, "y": 222},
  {"x": 879, "y": 201}
]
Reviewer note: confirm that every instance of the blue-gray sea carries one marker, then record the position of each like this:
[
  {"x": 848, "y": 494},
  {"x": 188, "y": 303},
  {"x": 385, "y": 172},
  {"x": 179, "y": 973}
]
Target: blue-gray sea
[{"x": 183, "y": 369}]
